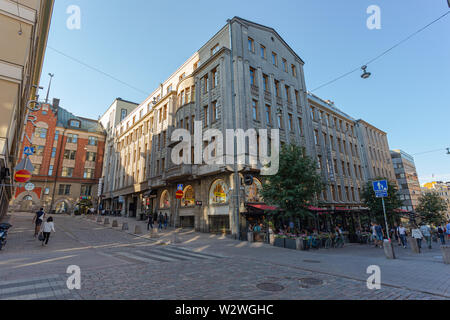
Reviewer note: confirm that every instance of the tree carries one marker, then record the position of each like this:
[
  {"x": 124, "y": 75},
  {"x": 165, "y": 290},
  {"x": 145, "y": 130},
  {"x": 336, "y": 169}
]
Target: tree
[
  {"x": 432, "y": 208},
  {"x": 296, "y": 185},
  {"x": 392, "y": 202}
]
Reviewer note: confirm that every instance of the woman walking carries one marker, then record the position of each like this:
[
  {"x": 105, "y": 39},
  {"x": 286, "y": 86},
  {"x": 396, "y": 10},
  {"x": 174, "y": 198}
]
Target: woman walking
[{"x": 46, "y": 229}]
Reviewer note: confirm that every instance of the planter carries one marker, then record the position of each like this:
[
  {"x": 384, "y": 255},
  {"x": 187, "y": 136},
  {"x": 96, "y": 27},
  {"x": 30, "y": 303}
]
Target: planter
[
  {"x": 250, "y": 237},
  {"x": 300, "y": 244},
  {"x": 279, "y": 242},
  {"x": 446, "y": 254},
  {"x": 290, "y": 244}
]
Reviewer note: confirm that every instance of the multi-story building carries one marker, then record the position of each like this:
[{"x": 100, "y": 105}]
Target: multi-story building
[
  {"x": 245, "y": 77},
  {"x": 24, "y": 27},
  {"x": 407, "y": 179},
  {"x": 442, "y": 189},
  {"x": 67, "y": 163},
  {"x": 116, "y": 113}
]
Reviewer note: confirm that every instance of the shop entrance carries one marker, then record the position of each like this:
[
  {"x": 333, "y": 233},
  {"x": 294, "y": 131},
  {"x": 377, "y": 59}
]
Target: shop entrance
[
  {"x": 219, "y": 224},
  {"x": 187, "y": 222}
]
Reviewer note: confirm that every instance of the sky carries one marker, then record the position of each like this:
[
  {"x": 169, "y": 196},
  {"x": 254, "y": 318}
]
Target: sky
[{"x": 142, "y": 42}]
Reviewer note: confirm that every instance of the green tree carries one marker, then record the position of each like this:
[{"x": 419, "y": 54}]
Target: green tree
[
  {"x": 432, "y": 208},
  {"x": 296, "y": 185},
  {"x": 392, "y": 202}
]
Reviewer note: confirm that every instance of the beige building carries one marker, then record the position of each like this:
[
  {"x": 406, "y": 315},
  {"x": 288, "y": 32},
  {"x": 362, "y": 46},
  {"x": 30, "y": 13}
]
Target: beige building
[{"x": 24, "y": 26}]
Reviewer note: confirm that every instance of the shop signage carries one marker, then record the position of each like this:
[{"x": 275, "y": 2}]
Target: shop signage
[
  {"x": 180, "y": 187},
  {"x": 179, "y": 194},
  {"x": 29, "y": 187},
  {"x": 199, "y": 203},
  {"x": 22, "y": 176}
]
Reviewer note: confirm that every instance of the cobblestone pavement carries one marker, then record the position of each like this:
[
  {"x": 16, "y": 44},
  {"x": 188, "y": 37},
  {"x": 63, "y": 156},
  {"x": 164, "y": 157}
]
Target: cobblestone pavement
[{"x": 116, "y": 264}]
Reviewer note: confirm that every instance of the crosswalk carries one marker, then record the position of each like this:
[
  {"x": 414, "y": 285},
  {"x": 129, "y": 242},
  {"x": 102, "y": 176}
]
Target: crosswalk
[
  {"x": 167, "y": 254},
  {"x": 47, "y": 287}
]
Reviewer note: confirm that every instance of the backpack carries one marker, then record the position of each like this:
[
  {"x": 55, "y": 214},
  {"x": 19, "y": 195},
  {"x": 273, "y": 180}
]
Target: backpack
[{"x": 440, "y": 230}]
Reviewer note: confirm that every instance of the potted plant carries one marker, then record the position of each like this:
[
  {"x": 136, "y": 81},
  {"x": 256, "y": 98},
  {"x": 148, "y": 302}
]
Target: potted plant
[
  {"x": 290, "y": 242},
  {"x": 279, "y": 241}
]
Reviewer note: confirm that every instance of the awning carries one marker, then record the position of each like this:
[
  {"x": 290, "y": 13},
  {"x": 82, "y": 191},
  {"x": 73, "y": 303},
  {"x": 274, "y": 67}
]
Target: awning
[
  {"x": 150, "y": 193},
  {"x": 263, "y": 207},
  {"x": 312, "y": 208}
]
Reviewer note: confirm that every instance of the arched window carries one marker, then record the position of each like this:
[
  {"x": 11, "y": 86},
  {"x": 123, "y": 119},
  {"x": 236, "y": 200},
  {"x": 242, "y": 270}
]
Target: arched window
[
  {"x": 252, "y": 193},
  {"x": 188, "y": 197},
  {"x": 164, "y": 202},
  {"x": 28, "y": 198},
  {"x": 218, "y": 192}
]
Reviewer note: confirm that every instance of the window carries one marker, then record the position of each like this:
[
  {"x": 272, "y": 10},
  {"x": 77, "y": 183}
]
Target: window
[
  {"x": 255, "y": 110},
  {"x": 316, "y": 137},
  {"x": 64, "y": 189},
  {"x": 294, "y": 71},
  {"x": 37, "y": 169},
  {"x": 251, "y": 45},
  {"x": 205, "y": 116},
  {"x": 280, "y": 122},
  {"x": 268, "y": 114},
  {"x": 300, "y": 125},
  {"x": 92, "y": 141},
  {"x": 188, "y": 197},
  {"x": 274, "y": 59},
  {"x": 215, "y": 78},
  {"x": 297, "y": 97},
  {"x": 40, "y": 151},
  {"x": 165, "y": 113},
  {"x": 277, "y": 88},
  {"x": 75, "y": 123},
  {"x": 53, "y": 152},
  {"x": 215, "y": 115},
  {"x": 252, "y": 76},
  {"x": 72, "y": 138},
  {"x": 40, "y": 133},
  {"x": 288, "y": 93},
  {"x": 214, "y": 49},
  {"x": 56, "y": 135},
  {"x": 319, "y": 162},
  {"x": 164, "y": 202},
  {"x": 91, "y": 156},
  {"x": 86, "y": 191},
  {"x": 123, "y": 114},
  {"x": 50, "y": 171},
  {"x": 266, "y": 82},
  {"x": 263, "y": 52},
  {"x": 88, "y": 174},
  {"x": 69, "y": 154},
  {"x": 284, "y": 62},
  {"x": 218, "y": 192},
  {"x": 290, "y": 122},
  {"x": 313, "y": 114},
  {"x": 67, "y": 172},
  {"x": 205, "y": 84},
  {"x": 169, "y": 89}
]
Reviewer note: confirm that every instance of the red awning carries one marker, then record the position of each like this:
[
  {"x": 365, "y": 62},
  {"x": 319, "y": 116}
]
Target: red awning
[
  {"x": 342, "y": 209},
  {"x": 400, "y": 210},
  {"x": 312, "y": 208},
  {"x": 263, "y": 207}
]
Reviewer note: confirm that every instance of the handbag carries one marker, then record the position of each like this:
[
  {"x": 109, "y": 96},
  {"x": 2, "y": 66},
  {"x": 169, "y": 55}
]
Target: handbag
[{"x": 41, "y": 237}]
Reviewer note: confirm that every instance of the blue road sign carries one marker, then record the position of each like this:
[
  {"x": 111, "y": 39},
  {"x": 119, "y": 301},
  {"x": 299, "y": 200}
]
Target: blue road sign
[
  {"x": 380, "y": 188},
  {"x": 180, "y": 187},
  {"x": 29, "y": 151}
]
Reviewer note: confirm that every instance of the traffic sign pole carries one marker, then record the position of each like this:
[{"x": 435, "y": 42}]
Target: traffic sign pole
[{"x": 386, "y": 221}]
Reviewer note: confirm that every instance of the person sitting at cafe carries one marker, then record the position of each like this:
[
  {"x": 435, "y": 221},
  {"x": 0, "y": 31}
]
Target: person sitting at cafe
[{"x": 257, "y": 228}]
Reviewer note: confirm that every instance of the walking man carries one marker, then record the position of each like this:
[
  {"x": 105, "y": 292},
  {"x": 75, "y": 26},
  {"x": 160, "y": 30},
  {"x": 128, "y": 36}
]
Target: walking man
[
  {"x": 416, "y": 234},
  {"x": 448, "y": 230},
  {"x": 37, "y": 221},
  {"x": 402, "y": 234},
  {"x": 149, "y": 222},
  {"x": 166, "y": 220},
  {"x": 426, "y": 231},
  {"x": 160, "y": 221},
  {"x": 441, "y": 234}
]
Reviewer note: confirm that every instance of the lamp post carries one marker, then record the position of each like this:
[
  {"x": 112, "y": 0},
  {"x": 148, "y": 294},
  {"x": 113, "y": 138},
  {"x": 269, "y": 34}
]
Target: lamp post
[{"x": 49, "y": 85}]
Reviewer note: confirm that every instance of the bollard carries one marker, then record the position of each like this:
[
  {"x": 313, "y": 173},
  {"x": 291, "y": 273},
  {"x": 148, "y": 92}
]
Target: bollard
[
  {"x": 153, "y": 234},
  {"x": 99, "y": 219},
  {"x": 446, "y": 254},
  {"x": 413, "y": 245},
  {"x": 250, "y": 237},
  {"x": 175, "y": 238},
  {"x": 115, "y": 224},
  {"x": 137, "y": 230},
  {"x": 106, "y": 221},
  {"x": 389, "y": 249},
  {"x": 125, "y": 226}
]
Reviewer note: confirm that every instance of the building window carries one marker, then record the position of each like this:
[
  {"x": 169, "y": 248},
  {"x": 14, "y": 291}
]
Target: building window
[
  {"x": 255, "y": 110},
  {"x": 91, "y": 156},
  {"x": 313, "y": 115},
  {"x": 294, "y": 71},
  {"x": 64, "y": 189},
  {"x": 288, "y": 93},
  {"x": 123, "y": 114},
  {"x": 218, "y": 192},
  {"x": 290, "y": 122},
  {"x": 67, "y": 172},
  {"x": 86, "y": 191},
  {"x": 251, "y": 45},
  {"x": 88, "y": 174},
  {"x": 165, "y": 113},
  {"x": 205, "y": 84},
  {"x": 215, "y": 115},
  {"x": 164, "y": 202},
  {"x": 53, "y": 153},
  {"x": 50, "y": 171},
  {"x": 316, "y": 137},
  {"x": 252, "y": 76},
  {"x": 69, "y": 154},
  {"x": 56, "y": 135},
  {"x": 169, "y": 89},
  {"x": 274, "y": 59},
  {"x": 215, "y": 78},
  {"x": 40, "y": 133},
  {"x": 75, "y": 123},
  {"x": 214, "y": 49},
  {"x": 268, "y": 114},
  {"x": 37, "y": 169},
  {"x": 206, "y": 117},
  {"x": 39, "y": 151},
  {"x": 284, "y": 62},
  {"x": 277, "y": 88},
  {"x": 263, "y": 52},
  {"x": 297, "y": 97},
  {"x": 300, "y": 126},
  {"x": 72, "y": 138},
  {"x": 188, "y": 197},
  {"x": 266, "y": 82},
  {"x": 280, "y": 122}
]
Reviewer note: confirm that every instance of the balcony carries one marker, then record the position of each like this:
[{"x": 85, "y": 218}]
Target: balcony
[
  {"x": 255, "y": 90},
  {"x": 267, "y": 96},
  {"x": 178, "y": 172}
]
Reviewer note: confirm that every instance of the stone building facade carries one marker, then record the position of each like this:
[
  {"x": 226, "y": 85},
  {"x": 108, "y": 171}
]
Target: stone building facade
[{"x": 67, "y": 163}]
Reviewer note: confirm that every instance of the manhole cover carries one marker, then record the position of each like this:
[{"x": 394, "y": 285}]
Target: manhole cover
[
  {"x": 311, "y": 261},
  {"x": 310, "y": 282},
  {"x": 272, "y": 287}
]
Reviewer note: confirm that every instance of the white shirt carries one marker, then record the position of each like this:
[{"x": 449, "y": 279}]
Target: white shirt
[
  {"x": 416, "y": 234},
  {"x": 48, "y": 227},
  {"x": 401, "y": 230}
]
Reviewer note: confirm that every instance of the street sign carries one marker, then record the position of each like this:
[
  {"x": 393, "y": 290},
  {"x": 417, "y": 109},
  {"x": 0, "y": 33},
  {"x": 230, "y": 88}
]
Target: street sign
[
  {"x": 380, "y": 188},
  {"x": 29, "y": 186},
  {"x": 179, "y": 194},
  {"x": 22, "y": 176},
  {"x": 25, "y": 164},
  {"x": 180, "y": 187},
  {"x": 248, "y": 180},
  {"x": 29, "y": 151}
]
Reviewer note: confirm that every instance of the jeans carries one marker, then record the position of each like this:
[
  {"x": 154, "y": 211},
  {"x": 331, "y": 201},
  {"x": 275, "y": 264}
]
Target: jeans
[
  {"x": 165, "y": 224},
  {"x": 419, "y": 243},
  {"x": 46, "y": 237},
  {"x": 149, "y": 224},
  {"x": 403, "y": 239},
  {"x": 428, "y": 240},
  {"x": 442, "y": 237},
  {"x": 160, "y": 226}
]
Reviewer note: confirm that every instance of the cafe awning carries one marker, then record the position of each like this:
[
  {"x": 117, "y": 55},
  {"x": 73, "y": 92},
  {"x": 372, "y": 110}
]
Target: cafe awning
[{"x": 263, "y": 207}]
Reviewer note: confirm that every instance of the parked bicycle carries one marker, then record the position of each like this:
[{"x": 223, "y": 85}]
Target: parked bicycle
[{"x": 4, "y": 227}]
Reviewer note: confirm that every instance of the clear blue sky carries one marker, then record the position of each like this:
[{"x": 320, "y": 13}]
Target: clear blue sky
[{"x": 142, "y": 42}]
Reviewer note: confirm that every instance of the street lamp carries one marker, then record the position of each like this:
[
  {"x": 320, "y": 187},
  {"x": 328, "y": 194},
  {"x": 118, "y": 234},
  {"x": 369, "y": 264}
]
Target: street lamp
[
  {"x": 365, "y": 74},
  {"x": 448, "y": 149},
  {"x": 49, "y": 85}
]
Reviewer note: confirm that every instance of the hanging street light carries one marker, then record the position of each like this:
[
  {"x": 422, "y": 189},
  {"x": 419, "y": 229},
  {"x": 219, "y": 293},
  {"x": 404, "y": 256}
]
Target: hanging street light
[{"x": 365, "y": 74}]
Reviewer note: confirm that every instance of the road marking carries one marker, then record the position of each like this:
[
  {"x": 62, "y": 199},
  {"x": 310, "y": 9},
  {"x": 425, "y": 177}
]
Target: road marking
[
  {"x": 43, "y": 261},
  {"x": 33, "y": 288},
  {"x": 165, "y": 253},
  {"x": 142, "y": 259},
  {"x": 194, "y": 252},
  {"x": 189, "y": 253}
]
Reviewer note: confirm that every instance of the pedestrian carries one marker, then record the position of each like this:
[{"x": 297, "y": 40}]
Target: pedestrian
[
  {"x": 166, "y": 220},
  {"x": 402, "y": 234},
  {"x": 426, "y": 232},
  {"x": 416, "y": 234},
  {"x": 380, "y": 234},
  {"x": 374, "y": 234},
  {"x": 441, "y": 234},
  {"x": 447, "y": 227},
  {"x": 37, "y": 221},
  {"x": 149, "y": 222},
  {"x": 46, "y": 229},
  {"x": 160, "y": 221}
]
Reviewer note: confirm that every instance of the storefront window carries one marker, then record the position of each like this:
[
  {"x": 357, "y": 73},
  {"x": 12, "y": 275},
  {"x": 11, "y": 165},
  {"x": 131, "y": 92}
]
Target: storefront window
[
  {"x": 164, "y": 202},
  {"x": 189, "y": 197},
  {"x": 218, "y": 193},
  {"x": 252, "y": 193}
]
